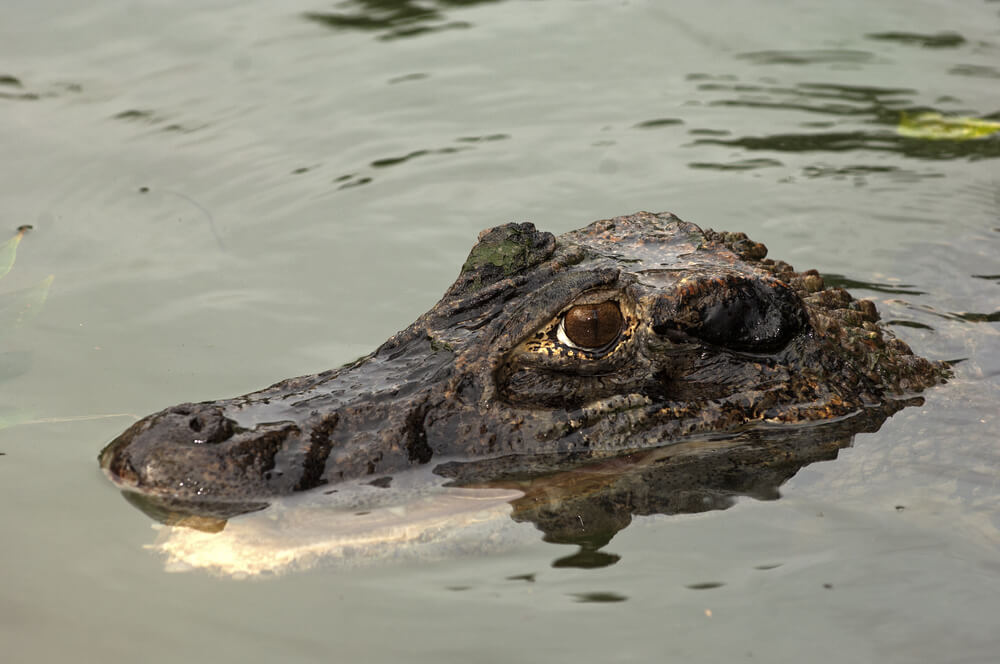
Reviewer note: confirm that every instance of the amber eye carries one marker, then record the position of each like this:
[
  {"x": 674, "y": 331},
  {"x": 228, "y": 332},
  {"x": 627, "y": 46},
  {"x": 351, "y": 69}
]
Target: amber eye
[{"x": 591, "y": 326}]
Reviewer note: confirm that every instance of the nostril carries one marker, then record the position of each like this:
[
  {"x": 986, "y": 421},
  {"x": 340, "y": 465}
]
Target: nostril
[{"x": 208, "y": 423}]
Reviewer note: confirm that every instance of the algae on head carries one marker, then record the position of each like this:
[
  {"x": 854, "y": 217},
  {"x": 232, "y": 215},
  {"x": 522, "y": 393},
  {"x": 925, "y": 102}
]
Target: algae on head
[
  {"x": 503, "y": 252},
  {"x": 510, "y": 250}
]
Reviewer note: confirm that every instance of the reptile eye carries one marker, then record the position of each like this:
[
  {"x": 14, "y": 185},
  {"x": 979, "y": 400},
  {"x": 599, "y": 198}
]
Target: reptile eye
[{"x": 591, "y": 326}]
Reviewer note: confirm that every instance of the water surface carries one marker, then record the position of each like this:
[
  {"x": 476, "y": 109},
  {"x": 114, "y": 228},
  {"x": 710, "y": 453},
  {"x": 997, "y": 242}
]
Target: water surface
[{"x": 232, "y": 193}]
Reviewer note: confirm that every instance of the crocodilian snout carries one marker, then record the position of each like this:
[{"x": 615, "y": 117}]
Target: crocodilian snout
[{"x": 194, "y": 451}]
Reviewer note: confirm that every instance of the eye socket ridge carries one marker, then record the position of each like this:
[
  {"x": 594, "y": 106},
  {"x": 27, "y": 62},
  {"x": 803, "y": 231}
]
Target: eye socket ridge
[
  {"x": 746, "y": 316},
  {"x": 591, "y": 327}
]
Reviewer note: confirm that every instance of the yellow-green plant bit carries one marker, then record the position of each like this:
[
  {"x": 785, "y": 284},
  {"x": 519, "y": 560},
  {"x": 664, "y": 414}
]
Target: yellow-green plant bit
[
  {"x": 8, "y": 251},
  {"x": 937, "y": 127}
]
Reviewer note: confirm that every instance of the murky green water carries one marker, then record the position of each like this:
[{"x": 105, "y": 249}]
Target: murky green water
[{"x": 232, "y": 193}]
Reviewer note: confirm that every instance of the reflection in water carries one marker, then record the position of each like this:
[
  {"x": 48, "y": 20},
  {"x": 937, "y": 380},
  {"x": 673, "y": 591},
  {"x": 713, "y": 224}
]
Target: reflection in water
[
  {"x": 590, "y": 555},
  {"x": 890, "y": 122},
  {"x": 207, "y": 516},
  {"x": 355, "y": 525},
  {"x": 978, "y": 317},
  {"x": 473, "y": 507},
  {"x": 851, "y": 141},
  {"x": 842, "y": 119},
  {"x": 841, "y": 281},
  {"x": 588, "y": 504},
  {"x": 966, "y": 317},
  {"x": 394, "y": 19}
]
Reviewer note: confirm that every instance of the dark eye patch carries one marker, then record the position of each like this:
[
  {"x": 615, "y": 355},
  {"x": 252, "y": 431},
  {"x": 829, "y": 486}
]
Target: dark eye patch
[{"x": 738, "y": 313}]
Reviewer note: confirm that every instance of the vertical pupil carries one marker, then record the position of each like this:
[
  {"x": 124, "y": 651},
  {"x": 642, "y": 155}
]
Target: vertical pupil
[{"x": 593, "y": 325}]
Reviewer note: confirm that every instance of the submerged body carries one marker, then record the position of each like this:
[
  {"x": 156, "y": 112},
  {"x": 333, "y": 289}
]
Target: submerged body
[{"x": 626, "y": 335}]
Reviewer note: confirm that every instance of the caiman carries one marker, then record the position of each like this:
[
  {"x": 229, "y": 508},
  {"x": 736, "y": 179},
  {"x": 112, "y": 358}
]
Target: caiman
[{"x": 628, "y": 337}]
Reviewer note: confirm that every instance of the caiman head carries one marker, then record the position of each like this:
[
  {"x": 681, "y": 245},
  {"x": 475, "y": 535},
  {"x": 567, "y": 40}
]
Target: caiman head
[{"x": 632, "y": 333}]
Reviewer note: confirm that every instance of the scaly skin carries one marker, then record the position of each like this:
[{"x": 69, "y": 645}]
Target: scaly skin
[{"x": 714, "y": 338}]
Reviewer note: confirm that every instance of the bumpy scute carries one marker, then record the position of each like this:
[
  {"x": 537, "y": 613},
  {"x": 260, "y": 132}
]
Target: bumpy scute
[{"x": 503, "y": 252}]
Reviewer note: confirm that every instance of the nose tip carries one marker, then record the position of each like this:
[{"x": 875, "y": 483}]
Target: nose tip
[
  {"x": 186, "y": 450},
  {"x": 206, "y": 423}
]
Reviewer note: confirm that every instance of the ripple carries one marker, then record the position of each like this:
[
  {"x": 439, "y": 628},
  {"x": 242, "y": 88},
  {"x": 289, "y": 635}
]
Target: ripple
[
  {"x": 825, "y": 98},
  {"x": 810, "y": 57},
  {"x": 841, "y": 281},
  {"x": 8, "y": 82},
  {"x": 394, "y": 20},
  {"x": 972, "y": 317},
  {"x": 878, "y": 141},
  {"x": 600, "y": 597},
  {"x": 899, "y": 322},
  {"x": 154, "y": 119},
  {"x": 739, "y": 165},
  {"x": 138, "y": 116},
  {"x": 406, "y": 78},
  {"x": 659, "y": 122},
  {"x": 960, "y": 316},
  {"x": 863, "y": 170},
  {"x": 394, "y": 161},
  {"x": 884, "y": 114},
  {"x": 483, "y": 139},
  {"x": 978, "y": 71},
  {"x": 710, "y": 132},
  {"x": 706, "y": 585},
  {"x": 352, "y": 180},
  {"x": 468, "y": 143},
  {"x": 938, "y": 40}
]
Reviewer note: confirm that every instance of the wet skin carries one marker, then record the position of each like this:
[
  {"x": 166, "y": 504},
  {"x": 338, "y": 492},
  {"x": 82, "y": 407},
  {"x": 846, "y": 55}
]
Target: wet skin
[{"x": 629, "y": 334}]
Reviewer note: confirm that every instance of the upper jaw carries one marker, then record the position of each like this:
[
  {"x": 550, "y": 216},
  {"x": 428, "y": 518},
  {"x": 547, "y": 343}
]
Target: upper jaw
[{"x": 187, "y": 450}]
